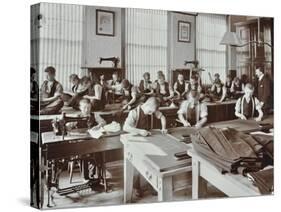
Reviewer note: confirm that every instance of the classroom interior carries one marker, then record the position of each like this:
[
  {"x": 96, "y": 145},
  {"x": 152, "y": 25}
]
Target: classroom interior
[{"x": 221, "y": 56}]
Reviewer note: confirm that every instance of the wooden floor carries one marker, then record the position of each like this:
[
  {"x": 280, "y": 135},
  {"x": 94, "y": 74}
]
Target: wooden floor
[{"x": 115, "y": 196}]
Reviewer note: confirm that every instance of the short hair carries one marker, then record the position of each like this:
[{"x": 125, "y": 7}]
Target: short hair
[
  {"x": 73, "y": 77},
  {"x": 217, "y": 75},
  {"x": 84, "y": 101},
  {"x": 162, "y": 76},
  {"x": 125, "y": 83},
  {"x": 160, "y": 72},
  {"x": 50, "y": 69},
  {"x": 260, "y": 69},
  {"x": 249, "y": 86},
  {"x": 193, "y": 77},
  {"x": 85, "y": 79},
  {"x": 146, "y": 74},
  {"x": 32, "y": 71},
  {"x": 115, "y": 73}
]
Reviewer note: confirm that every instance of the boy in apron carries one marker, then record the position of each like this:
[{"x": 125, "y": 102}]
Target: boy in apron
[
  {"x": 51, "y": 94},
  {"x": 248, "y": 105},
  {"x": 138, "y": 123},
  {"x": 192, "y": 112}
]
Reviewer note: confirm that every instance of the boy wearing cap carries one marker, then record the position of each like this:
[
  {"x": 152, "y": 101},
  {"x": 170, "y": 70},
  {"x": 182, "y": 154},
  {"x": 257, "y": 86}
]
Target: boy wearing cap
[
  {"x": 51, "y": 92},
  {"x": 247, "y": 105},
  {"x": 192, "y": 112}
]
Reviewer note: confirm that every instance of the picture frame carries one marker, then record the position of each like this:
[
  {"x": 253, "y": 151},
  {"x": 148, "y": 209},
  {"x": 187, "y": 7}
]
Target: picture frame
[
  {"x": 184, "y": 31},
  {"x": 105, "y": 22}
]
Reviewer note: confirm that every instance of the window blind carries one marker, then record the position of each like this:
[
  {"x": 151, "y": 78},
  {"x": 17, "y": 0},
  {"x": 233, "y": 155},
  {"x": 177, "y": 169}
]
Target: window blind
[
  {"x": 211, "y": 55},
  {"x": 146, "y": 43}
]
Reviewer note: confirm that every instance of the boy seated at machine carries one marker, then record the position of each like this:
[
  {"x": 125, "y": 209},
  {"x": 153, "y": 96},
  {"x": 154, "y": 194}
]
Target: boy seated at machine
[
  {"x": 130, "y": 95},
  {"x": 78, "y": 90},
  {"x": 114, "y": 88},
  {"x": 216, "y": 91},
  {"x": 192, "y": 112},
  {"x": 248, "y": 105},
  {"x": 164, "y": 91},
  {"x": 180, "y": 87},
  {"x": 91, "y": 167},
  {"x": 51, "y": 94},
  {"x": 146, "y": 86},
  {"x": 96, "y": 94},
  {"x": 138, "y": 121}
]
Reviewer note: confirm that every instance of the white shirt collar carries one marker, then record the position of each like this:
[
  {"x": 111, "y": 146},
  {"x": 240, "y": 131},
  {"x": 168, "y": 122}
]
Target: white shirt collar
[{"x": 261, "y": 76}]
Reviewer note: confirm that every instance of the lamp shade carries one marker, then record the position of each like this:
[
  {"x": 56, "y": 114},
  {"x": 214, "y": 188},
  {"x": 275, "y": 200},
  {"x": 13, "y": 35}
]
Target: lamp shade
[{"x": 231, "y": 38}]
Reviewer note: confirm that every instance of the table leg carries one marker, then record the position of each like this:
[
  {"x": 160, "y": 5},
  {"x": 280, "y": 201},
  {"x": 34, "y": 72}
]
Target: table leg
[
  {"x": 128, "y": 180},
  {"x": 199, "y": 185},
  {"x": 165, "y": 189}
]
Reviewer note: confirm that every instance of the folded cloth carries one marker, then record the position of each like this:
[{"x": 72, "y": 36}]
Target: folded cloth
[
  {"x": 263, "y": 179},
  {"x": 112, "y": 127},
  {"x": 229, "y": 149}
]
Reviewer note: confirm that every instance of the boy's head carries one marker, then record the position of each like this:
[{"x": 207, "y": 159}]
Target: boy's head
[
  {"x": 85, "y": 81},
  {"x": 259, "y": 72},
  {"x": 159, "y": 73},
  {"x": 32, "y": 74},
  {"x": 161, "y": 79},
  {"x": 180, "y": 77},
  {"x": 193, "y": 96},
  {"x": 74, "y": 79},
  {"x": 150, "y": 106},
  {"x": 193, "y": 80},
  {"x": 249, "y": 90},
  {"x": 85, "y": 107},
  {"x": 115, "y": 76},
  {"x": 102, "y": 77},
  {"x": 236, "y": 80},
  {"x": 146, "y": 76},
  {"x": 228, "y": 78},
  {"x": 51, "y": 73},
  {"x": 125, "y": 83}
]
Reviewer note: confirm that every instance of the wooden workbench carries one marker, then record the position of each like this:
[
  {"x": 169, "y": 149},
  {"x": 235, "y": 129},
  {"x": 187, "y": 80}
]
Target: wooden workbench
[
  {"x": 233, "y": 185},
  {"x": 153, "y": 157}
]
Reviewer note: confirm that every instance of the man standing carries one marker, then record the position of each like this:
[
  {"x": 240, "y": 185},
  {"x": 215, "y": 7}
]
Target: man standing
[
  {"x": 51, "y": 92},
  {"x": 264, "y": 90}
]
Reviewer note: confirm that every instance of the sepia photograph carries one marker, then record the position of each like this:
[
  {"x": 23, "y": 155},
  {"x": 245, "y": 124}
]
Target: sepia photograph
[{"x": 132, "y": 105}]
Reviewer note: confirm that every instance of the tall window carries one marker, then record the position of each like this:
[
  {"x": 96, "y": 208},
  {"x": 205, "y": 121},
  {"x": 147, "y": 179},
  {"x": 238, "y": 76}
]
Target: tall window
[
  {"x": 146, "y": 43},
  {"x": 211, "y": 55}
]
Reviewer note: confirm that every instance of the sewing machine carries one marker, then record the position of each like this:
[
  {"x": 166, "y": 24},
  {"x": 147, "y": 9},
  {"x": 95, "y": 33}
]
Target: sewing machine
[
  {"x": 114, "y": 60},
  {"x": 69, "y": 146}
]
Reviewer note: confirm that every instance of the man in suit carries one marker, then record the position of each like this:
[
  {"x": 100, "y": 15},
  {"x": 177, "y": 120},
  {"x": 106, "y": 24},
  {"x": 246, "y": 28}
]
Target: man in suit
[{"x": 264, "y": 90}]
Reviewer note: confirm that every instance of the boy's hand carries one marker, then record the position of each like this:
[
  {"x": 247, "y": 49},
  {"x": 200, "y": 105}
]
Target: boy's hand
[
  {"x": 186, "y": 124},
  {"x": 144, "y": 133},
  {"x": 258, "y": 119},
  {"x": 243, "y": 117}
]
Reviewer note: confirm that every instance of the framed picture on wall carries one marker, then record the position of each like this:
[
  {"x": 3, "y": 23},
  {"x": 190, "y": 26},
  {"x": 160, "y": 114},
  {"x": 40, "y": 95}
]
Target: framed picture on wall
[
  {"x": 184, "y": 31},
  {"x": 105, "y": 22}
]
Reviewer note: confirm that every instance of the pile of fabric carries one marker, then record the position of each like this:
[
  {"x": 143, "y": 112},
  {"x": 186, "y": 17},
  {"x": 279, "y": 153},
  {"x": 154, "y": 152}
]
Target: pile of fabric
[{"x": 234, "y": 151}]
